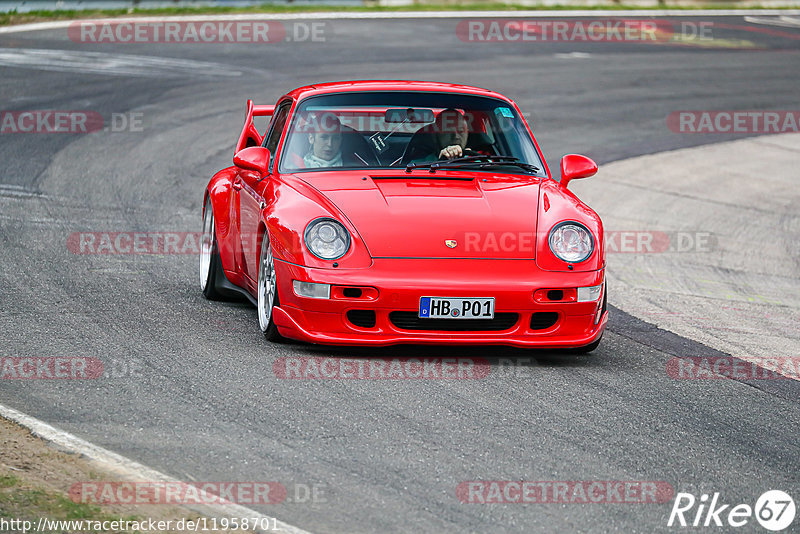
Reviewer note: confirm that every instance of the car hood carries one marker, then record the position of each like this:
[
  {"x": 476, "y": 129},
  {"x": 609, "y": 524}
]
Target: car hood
[{"x": 446, "y": 215}]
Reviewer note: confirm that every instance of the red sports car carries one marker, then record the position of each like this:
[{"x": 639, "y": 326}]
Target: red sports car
[{"x": 384, "y": 212}]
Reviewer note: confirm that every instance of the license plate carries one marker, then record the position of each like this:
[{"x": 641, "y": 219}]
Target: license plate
[{"x": 455, "y": 308}]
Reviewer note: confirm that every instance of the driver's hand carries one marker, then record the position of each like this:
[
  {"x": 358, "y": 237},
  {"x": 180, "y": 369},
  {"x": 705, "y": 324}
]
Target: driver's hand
[{"x": 450, "y": 152}]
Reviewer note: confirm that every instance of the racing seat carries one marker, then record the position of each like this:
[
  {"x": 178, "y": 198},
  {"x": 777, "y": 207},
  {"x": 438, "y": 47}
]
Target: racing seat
[
  {"x": 422, "y": 144},
  {"x": 355, "y": 149},
  {"x": 481, "y": 142}
]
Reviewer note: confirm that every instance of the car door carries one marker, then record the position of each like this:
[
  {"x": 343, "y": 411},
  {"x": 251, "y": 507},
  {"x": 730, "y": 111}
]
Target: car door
[{"x": 249, "y": 188}]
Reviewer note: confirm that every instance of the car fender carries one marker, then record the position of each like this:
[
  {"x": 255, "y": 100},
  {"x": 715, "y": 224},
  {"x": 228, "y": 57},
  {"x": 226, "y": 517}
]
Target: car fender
[
  {"x": 556, "y": 205},
  {"x": 293, "y": 205},
  {"x": 219, "y": 191}
]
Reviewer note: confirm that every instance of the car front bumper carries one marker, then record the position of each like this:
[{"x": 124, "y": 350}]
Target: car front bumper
[{"x": 393, "y": 287}]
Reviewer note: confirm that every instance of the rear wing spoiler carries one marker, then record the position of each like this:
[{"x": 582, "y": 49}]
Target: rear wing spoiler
[{"x": 250, "y": 136}]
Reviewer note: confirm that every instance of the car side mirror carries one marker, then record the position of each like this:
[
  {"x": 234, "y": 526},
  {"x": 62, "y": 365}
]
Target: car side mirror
[
  {"x": 254, "y": 158},
  {"x": 574, "y": 166}
]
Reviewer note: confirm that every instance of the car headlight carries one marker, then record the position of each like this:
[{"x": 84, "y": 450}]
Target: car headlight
[
  {"x": 571, "y": 242},
  {"x": 327, "y": 238}
]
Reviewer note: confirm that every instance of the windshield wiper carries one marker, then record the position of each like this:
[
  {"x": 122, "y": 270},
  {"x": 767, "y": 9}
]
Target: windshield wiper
[
  {"x": 524, "y": 166},
  {"x": 466, "y": 159},
  {"x": 474, "y": 162}
]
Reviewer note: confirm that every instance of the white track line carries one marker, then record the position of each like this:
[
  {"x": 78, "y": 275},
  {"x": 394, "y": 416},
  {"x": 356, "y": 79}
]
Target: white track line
[
  {"x": 131, "y": 470},
  {"x": 111, "y": 64},
  {"x": 784, "y": 21},
  {"x": 345, "y": 15}
]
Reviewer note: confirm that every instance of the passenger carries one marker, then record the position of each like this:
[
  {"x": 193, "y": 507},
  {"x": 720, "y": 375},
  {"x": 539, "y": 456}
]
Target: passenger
[{"x": 325, "y": 144}]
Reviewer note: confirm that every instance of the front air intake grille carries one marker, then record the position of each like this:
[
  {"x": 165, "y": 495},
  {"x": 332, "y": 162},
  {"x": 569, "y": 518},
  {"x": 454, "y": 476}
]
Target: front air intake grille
[
  {"x": 410, "y": 321},
  {"x": 362, "y": 318},
  {"x": 543, "y": 320}
]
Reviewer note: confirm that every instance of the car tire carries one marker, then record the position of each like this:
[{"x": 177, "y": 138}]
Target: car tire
[
  {"x": 267, "y": 292},
  {"x": 210, "y": 263}
]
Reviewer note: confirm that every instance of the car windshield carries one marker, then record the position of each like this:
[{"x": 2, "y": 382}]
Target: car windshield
[{"x": 408, "y": 130}]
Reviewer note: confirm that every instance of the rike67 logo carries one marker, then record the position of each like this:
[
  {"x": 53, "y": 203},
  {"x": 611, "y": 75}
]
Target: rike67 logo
[{"x": 774, "y": 510}]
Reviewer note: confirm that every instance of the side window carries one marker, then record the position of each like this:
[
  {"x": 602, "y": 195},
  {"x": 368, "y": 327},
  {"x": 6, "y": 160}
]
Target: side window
[{"x": 275, "y": 131}]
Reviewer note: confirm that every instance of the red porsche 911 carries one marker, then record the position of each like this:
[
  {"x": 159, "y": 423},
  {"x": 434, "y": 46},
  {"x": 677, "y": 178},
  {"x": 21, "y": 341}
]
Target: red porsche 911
[{"x": 385, "y": 212}]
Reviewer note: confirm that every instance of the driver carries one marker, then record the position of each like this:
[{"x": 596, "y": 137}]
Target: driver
[
  {"x": 451, "y": 131},
  {"x": 446, "y": 138}
]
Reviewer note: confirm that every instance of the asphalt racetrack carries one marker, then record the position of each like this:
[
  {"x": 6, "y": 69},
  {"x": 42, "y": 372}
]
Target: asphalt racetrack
[{"x": 190, "y": 388}]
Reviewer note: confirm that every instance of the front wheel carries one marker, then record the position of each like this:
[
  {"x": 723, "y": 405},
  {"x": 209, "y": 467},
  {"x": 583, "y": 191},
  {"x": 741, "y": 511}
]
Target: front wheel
[{"x": 267, "y": 292}]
